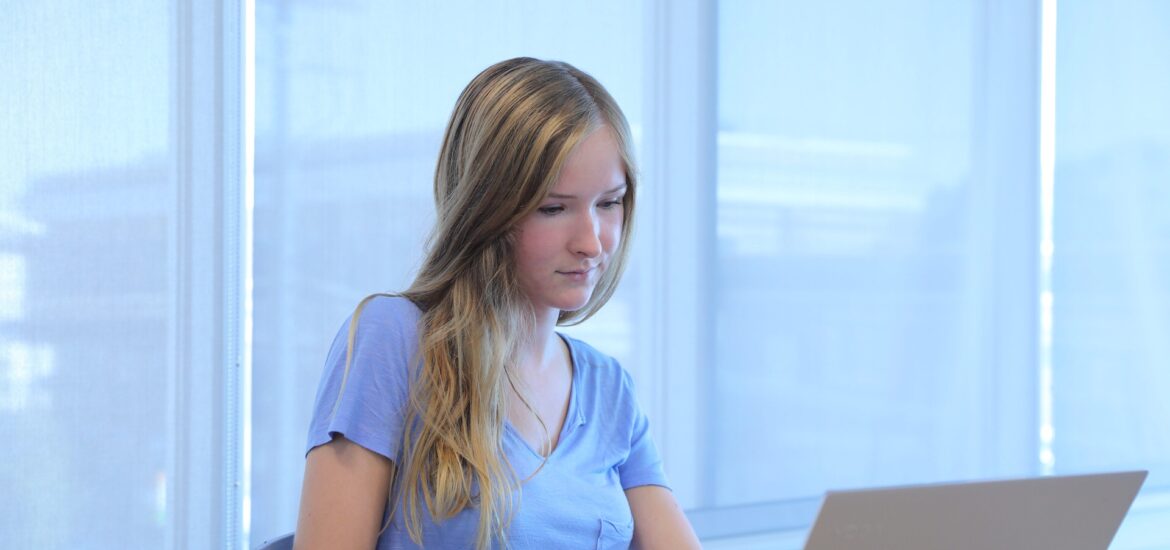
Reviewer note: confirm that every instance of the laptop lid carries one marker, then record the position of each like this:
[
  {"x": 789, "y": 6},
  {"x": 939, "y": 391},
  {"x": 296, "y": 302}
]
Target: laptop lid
[{"x": 1067, "y": 512}]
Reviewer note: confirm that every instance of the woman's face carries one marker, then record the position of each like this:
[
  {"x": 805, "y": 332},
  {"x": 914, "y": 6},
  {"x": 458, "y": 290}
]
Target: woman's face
[{"x": 565, "y": 245}]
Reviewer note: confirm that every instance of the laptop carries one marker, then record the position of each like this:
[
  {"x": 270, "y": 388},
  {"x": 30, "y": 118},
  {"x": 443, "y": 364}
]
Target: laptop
[{"x": 1059, "y": 512}]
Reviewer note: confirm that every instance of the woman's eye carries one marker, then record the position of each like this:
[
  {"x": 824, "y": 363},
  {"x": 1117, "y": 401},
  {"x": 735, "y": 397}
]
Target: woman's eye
[
  {"x": 611, "y": 204},
  {"x": 550, "y": 210}
]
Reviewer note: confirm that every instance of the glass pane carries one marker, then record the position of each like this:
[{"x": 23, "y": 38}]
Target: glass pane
[
  {"x": 1111, "y": 263},
  {"x": 86, "y": 269},
  {"x": 850, "y": 350},
  {"x": 1111, "y": 259},
  {"x": 352, "y": 100}
]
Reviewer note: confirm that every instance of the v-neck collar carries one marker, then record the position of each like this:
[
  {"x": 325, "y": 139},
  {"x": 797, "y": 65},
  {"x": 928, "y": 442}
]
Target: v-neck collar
[{"x": 573, "y": 416}]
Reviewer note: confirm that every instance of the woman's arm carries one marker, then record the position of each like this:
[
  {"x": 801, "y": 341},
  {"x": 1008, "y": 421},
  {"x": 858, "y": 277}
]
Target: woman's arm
[
  {"x": 343, "y": 497},
  {"x": 659, "y": 522}
]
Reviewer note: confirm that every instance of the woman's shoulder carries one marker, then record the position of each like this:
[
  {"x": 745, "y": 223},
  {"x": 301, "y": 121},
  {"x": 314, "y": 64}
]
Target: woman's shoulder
[
  {"x": 386, "y": 309},
  {"x": 382, "y": 320},
  {"x": 366, "y": 376},
  {"x": 584, "y": 350},
  {"x": 598, "y": 364}
]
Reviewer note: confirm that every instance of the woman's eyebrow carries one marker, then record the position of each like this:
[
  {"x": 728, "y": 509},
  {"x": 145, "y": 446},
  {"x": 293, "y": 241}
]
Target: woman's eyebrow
[{"x": 560, "y": 196}]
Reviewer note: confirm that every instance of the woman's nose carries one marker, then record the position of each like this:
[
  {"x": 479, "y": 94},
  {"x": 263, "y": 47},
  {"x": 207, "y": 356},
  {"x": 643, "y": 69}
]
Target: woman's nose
[{"x": 586, "y": 238}]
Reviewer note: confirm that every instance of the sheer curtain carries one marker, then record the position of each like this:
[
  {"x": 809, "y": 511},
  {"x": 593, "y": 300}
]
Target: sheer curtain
[
  {"x": 1111, "y": 251},
  {"x": 856, "y": 281},
  {"x": 878, "y": 286},
  {"x": 120, "y": 274}
]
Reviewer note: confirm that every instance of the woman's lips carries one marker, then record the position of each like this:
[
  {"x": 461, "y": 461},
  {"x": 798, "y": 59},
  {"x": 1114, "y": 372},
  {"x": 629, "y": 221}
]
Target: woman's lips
[{"x": 580, "y": 275}]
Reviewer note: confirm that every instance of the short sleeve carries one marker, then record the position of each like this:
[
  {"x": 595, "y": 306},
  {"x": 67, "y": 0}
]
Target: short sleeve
[
  {"x": 643, "y": 466},
  {"x": 367, "y": 404}
]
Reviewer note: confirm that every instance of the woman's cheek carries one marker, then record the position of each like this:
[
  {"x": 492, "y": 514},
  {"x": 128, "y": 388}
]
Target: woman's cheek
[{"x": 614, "y": 234}]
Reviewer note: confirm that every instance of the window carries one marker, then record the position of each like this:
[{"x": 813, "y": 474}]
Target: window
[
  {"x": 120, "y": 263},
  {"x": 851, "y": 281},
  {"x": 858, "y": 262},
  {"x": 1110, "y": 272}
]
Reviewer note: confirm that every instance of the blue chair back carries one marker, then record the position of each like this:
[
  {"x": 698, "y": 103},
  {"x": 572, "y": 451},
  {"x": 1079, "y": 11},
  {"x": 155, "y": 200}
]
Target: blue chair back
[{"x": 284, "y": 542}]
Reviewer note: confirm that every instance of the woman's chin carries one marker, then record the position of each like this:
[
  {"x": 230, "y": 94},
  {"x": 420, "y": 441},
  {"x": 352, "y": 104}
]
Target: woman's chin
[{"x": 574, "y": 303}]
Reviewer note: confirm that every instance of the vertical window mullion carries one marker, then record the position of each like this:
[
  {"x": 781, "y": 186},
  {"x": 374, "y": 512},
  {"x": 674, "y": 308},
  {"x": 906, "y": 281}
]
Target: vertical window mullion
[
  {"x": 680, "y": 209},
  {"x": 1007, "y": 197},
  {"x": 211, "y": 233}
]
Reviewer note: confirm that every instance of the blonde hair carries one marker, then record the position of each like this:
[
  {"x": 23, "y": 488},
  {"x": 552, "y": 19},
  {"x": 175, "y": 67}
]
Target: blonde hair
[{"x": 512, "y": 130}]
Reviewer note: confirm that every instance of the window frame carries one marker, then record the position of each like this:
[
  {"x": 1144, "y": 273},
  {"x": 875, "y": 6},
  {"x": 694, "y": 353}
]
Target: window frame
[{"x": 210, "y": 238}]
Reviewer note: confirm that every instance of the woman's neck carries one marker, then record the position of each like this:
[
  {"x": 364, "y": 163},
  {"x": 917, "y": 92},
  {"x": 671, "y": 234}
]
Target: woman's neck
[{"x": 543, "y": 348}]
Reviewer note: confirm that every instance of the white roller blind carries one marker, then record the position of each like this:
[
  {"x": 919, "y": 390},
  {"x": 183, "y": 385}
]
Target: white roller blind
[
  {"x": 1111, "y": 251},
  {"x": 120, "y": 274},
  {"x": 857, "y": 276}
]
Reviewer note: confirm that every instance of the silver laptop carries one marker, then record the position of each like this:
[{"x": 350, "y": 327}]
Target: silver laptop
[{"x": 1059, "y": 512}]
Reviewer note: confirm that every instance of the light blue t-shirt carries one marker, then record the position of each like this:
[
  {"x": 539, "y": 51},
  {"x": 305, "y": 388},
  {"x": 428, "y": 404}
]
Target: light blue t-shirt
[{"x": 576, "y": 501}]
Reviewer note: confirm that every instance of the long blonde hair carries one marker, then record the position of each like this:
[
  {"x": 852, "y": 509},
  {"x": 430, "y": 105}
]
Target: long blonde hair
[{"x": 511, "y": 131}]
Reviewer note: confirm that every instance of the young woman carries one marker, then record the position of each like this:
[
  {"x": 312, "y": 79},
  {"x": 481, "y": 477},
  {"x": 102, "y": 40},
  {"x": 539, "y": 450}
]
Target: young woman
[{"x": 453, "y": 415}]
